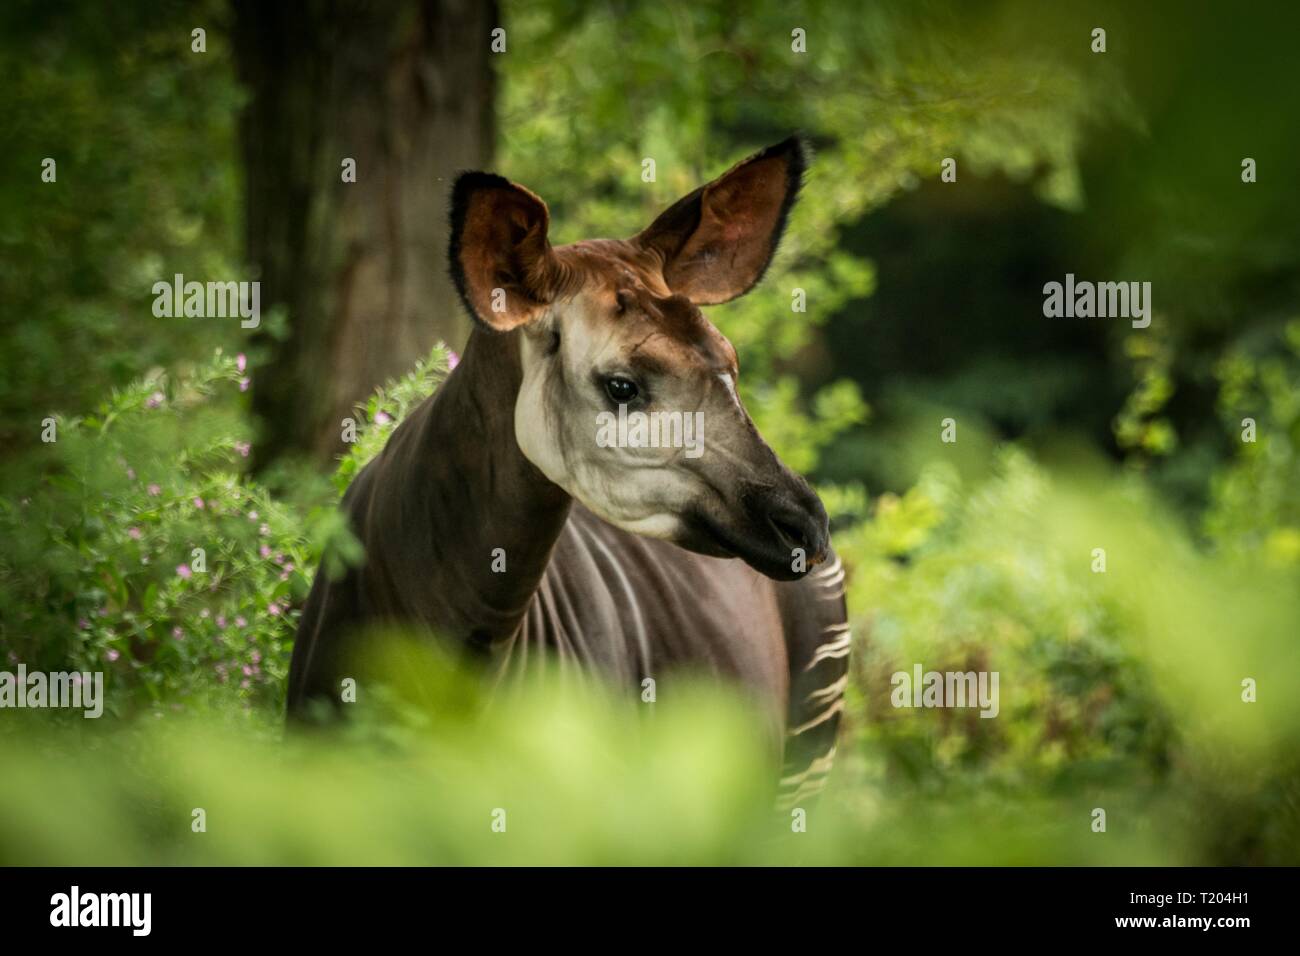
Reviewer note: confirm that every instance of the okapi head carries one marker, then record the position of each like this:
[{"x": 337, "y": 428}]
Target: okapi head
[{"x": 609, "y": 323}]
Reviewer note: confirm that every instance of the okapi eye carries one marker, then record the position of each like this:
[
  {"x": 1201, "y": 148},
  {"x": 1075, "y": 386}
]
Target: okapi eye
[{"x": 621, "y": 390}]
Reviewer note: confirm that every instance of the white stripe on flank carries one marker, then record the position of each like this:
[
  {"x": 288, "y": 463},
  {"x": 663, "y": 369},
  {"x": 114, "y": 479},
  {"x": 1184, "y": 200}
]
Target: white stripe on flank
[
  {"x": 826, "y": 693},
  {"x": 808, "y": 789},
  {"x": 820, "y": 765},
  {"x": 834, "y": 649},
  {"x": 821, "y": 718}
]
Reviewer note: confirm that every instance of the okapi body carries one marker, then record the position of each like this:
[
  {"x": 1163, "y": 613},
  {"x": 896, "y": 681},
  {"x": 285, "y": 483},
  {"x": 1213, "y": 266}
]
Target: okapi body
[{"x": 632, "y": 562}]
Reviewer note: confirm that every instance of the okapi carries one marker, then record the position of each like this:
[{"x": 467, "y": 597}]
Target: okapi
[{"x": 620, "y": 558}]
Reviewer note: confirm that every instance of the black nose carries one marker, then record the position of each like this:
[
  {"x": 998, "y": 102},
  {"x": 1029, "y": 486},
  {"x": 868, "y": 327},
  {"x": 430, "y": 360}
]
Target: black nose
[{"x": 798, "y": 520}]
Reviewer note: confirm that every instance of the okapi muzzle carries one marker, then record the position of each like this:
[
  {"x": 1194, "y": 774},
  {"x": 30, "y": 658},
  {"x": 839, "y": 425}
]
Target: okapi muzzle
[{"x": 778, "y": 529}]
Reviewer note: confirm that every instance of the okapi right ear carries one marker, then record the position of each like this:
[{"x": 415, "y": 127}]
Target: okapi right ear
[
  {"x": 716, "y": 242},
  {"x": 501, "y": 260}
]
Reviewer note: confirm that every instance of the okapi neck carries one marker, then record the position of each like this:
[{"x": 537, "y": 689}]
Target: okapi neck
[{"x": 473, "y": 520}]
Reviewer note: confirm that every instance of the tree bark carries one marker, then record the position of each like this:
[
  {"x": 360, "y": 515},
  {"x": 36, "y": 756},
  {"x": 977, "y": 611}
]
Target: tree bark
[{"x": 406, "y": 89}]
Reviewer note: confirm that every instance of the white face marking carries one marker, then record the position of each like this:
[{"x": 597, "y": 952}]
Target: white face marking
[
  {"x": 731, "y": 388},
  {"x": 663, "y": 526},
  {"x": 641, "y": 490}
]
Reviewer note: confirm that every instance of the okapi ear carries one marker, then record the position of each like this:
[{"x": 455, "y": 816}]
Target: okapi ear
[
  {"x": 716, "y": 243},
  {"x": 501, "y": 261}
]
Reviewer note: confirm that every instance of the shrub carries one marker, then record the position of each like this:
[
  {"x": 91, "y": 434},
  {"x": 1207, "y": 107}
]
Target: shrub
[{"x": 145, "y": 552}]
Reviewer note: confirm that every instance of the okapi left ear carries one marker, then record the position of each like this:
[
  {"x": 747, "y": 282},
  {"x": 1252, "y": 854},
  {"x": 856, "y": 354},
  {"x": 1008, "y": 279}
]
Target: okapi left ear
[
  {"x": 501, "y": 260},
  {"x": 716, "y": 242}
]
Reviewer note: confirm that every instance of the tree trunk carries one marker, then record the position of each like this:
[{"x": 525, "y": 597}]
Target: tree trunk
[{"x": 405, "y": 88}]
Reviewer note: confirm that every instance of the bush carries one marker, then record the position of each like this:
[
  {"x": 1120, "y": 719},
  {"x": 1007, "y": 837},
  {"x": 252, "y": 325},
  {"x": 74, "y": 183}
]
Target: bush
[
  {"x": 145, "y": 552},
  {"x": 1130, "y": 686}
]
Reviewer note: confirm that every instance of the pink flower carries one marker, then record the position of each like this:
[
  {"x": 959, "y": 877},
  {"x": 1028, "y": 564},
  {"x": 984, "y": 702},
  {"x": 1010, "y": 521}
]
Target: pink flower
[
  {"x": 198, "y": 502},
  {"x": 264, "y": 551},
  {"x": 154, "y": 400},
  {"x": 243, "y": 384},
  {"x": 154, "y": 490},
  {"x": 273, "y": 609},
  {"x": 221, "y": 621},
  {"x": 184, "y": 571},
  {"x": 133, "y": 533},
  {"x": 382, "y": 418},
  {"x": 241, "y": 361},
  {"x": 243, "y": 684},
  {"x": 248, "y": 671},
  {"x": 178, "y": 634},
  {"x": 83, "y": 624},
  {"x": 452, "y": 360},
  {"x": 240, "y": 622},
  {"x": 111, "y": 654},
  {"x": 243, "y": 448},
  {"x": 257, "y": 658}
]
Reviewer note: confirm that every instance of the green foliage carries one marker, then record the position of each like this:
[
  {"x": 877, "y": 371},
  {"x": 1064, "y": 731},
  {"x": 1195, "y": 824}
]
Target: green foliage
[
  {"x": 964, "y": 578},
  {"x": 1255, "y": 503},
  {"x": 386, "y": 408},
  {"x": 1122, "y": 682},
  {"x": 100, "y": 570},
  {"x": 579, "y": 778},
  {"x": 142, "y": 131},
  {"x": 1140, "y": 427}
]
